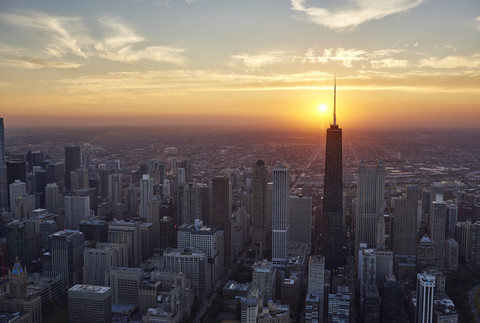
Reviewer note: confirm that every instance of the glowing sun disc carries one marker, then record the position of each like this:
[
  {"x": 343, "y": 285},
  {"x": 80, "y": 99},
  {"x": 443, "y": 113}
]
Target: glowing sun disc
[{"x": 322, "y": 107}]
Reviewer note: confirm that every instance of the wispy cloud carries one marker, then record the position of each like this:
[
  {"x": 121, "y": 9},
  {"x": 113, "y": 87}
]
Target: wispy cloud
[
  {"x": 68, "y": 35},
  {"x": 452, "y": 61},
  {"x": 255, "y": 61},
  {"x": 389, "y": 63},
  {"x": 355, "y": 14},
  {"x": 348, "y": 56},
  {"x": 477, "y": 21},
  {"x": 64, "y": 34},
  {"x": 17, "y": 57}
]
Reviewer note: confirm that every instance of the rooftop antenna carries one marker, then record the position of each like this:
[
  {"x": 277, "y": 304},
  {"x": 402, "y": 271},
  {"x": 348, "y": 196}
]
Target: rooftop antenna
[{"x": 335, "y": 100}]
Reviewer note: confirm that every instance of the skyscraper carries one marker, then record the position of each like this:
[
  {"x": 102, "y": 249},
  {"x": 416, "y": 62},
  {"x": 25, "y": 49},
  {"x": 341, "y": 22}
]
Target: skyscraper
[
  {"x": 332, "y": 217},
  {"x": 405, "y": 233},
  {"x": 66, "y": 248},
  {"x": 3, "y": 171},
  {"x": 281, "y": 195},
  {"x": 222, "y": 211},
  {"x": 425, "y": 296},
  {"x": 146, "y": 194},
  {"x": 115, "y": 188},
  {"x": 370, "y": 196},
  {"x": 316, "y": 281},
  {"x": 87, "y": 303},
  {"x": 437, "y": 229},
  {"x": 72, "y": 163},
  {"x": 260, "y": 207}
]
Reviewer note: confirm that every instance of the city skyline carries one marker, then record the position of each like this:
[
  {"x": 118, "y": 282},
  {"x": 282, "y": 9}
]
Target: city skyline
[{"x": 270, "y": 64}]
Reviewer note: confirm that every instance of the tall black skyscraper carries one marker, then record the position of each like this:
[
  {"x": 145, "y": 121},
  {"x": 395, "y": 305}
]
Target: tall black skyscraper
[
  {"x": 332, "y": 215},
  {"x": 72, "y": 163},
  {"x": 3, "y": 171}
]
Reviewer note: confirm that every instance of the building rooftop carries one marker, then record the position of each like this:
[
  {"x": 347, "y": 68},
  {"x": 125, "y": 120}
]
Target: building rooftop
[{"x": 89, "y": 289}]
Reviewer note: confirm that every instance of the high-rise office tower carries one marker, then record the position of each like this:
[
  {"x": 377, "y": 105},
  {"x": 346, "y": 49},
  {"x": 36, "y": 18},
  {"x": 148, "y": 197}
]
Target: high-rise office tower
[
  {"x": 40, "y": 183},
  {"x": 437, "y": 229},
  {"x": 370, "y": 197},
  {"x": 300, "y": 219},
  {"x": 194, "y": 263},
  {"x": 52, "y": 198},
  {"x": 146, "y": 194},
  {"x": 222, "y": 211},
  {"x": 72, "y": 164},
  {"x": 66, "y": 248},
  {"x": 129, "y": 234},
  {"x": 125, "y": 282},
  {"x": 188, "y": 167},
  {"x": 17, "y": 189},
  {"x": 260, "y": 208},
  {"x": 206, "y": 239},
  {"x": 263, "y": 279},
  {"x": 405, "y": 232},
  {"x": 452, "y": 215},
  {"x": 3, "y": 170},
  {"x": 393, "y": 300},
  {"x": 332, "y": 215},
  {"x": 425, "y": 297},
  {"x": 82, "y": 178},
  {"x": 16, "y": 232},
  {"x": 191, "y": 204},
  {"x": 94, "y": 230},
  {"x": 16, "y": 170},
  {"x": 281, "y": 197},
  {"x": 77, "y": 208},
  {"x": 115, "y": 188},
  {"x": 100, "y": 258},
  {"x": 316, "y": 282},
  {"x": 87, "y": 303}
]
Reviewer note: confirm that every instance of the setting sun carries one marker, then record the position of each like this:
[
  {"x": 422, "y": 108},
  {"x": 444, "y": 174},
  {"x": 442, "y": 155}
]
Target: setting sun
[{"x": 322, "y": 108}]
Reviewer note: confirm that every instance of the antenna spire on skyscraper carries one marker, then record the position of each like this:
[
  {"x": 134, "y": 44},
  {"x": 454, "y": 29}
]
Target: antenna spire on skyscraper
[{"x": 335, "y": 100}]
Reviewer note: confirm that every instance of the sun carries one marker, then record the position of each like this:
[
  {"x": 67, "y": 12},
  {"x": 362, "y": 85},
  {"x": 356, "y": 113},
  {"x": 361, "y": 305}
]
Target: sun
[{"x": 322, "y": 108}]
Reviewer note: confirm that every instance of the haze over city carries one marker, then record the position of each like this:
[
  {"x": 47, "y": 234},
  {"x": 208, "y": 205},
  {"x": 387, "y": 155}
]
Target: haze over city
[{"x": 247, "y": 63}]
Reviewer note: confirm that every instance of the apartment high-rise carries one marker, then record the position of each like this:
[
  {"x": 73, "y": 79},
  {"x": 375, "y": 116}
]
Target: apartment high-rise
[
  {"x": 260, "y": 208},
  {"x": 369, "y": 212},
  {"x": 3, "y": 170},
  {"x": 72, "y": 164},
  {"x": 333, "y": 234},
  {"x": 222, "y": 212},
  {"x": 281, "y": 197}
]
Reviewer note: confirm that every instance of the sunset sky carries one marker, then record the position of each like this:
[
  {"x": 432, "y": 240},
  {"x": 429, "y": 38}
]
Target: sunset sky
[{"x": 240, "y": 62}]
